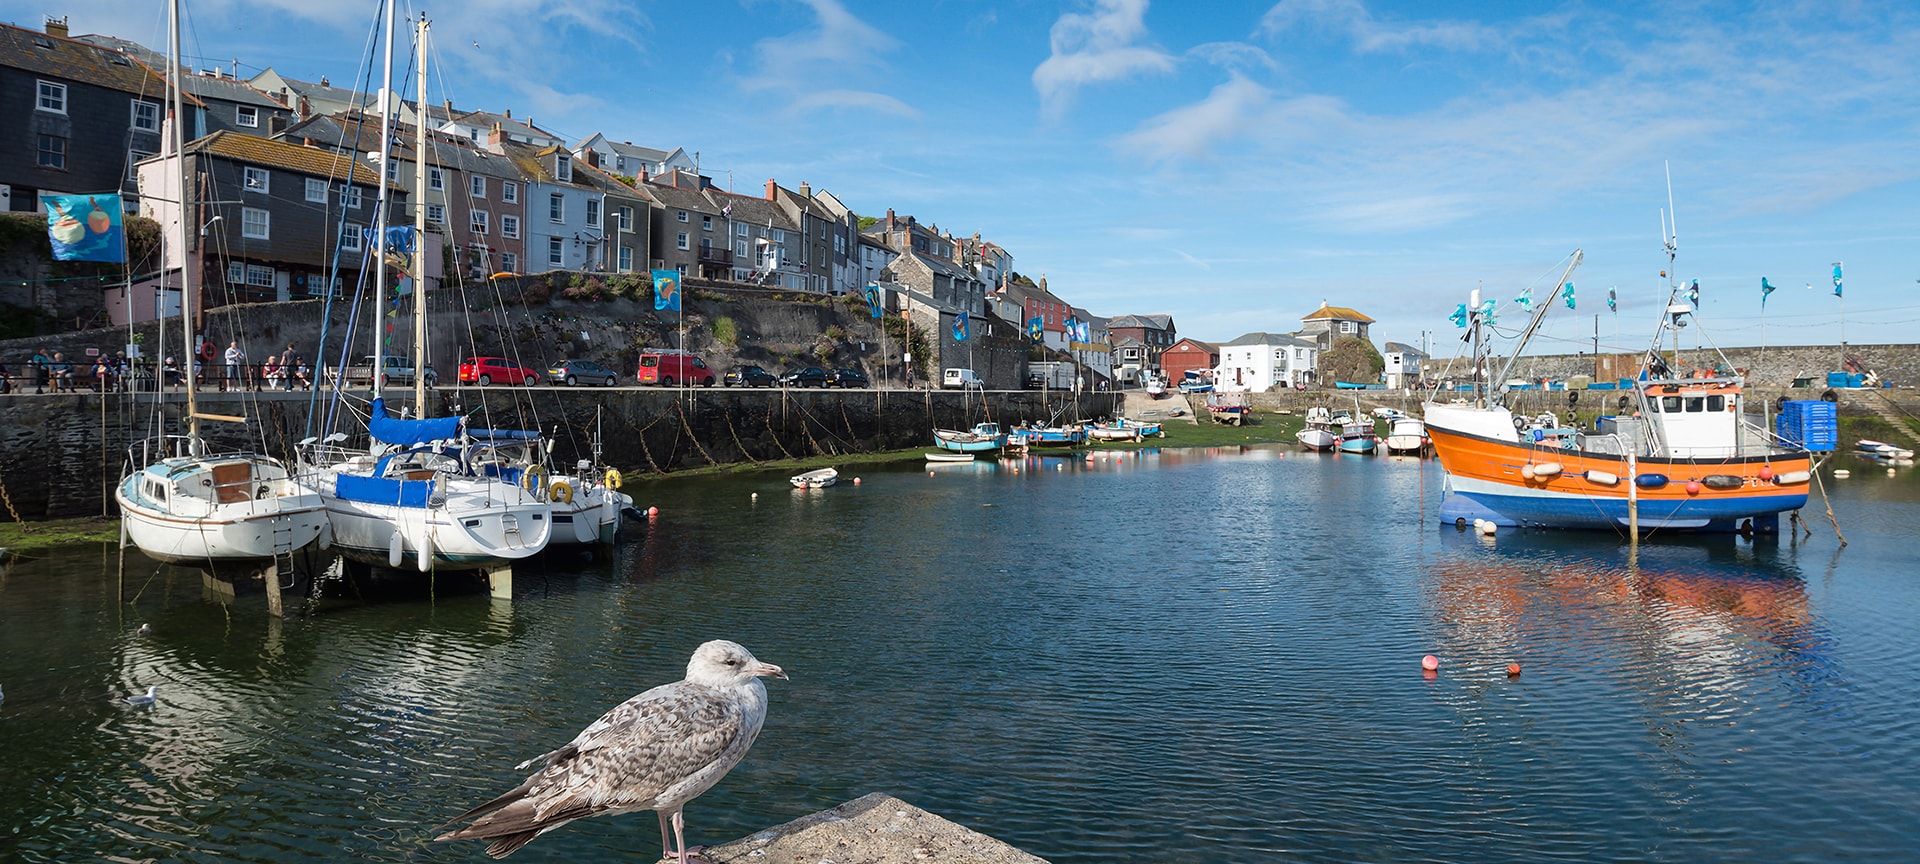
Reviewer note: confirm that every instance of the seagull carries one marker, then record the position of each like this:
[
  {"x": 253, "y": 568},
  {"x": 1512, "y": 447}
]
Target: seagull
[
  {"x": 656, "y": 751},
  {"x": 142, "y": 698}
]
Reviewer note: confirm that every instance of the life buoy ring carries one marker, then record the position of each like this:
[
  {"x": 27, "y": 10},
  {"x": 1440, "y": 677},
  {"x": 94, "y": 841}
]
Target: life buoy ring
[
  {"x": 613, "y": 478},
  {"x": 206, "y": 350},
  {"x": 534, "y": 478},
  {"x": 560, "y": 492}
]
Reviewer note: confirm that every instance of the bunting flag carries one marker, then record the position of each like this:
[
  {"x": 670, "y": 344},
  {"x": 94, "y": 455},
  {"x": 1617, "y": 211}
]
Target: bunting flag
[
  {"x": 1566, "y": 293},
  {"x": 727, "y": 210},
  {"x": 1036, "y": 329},
  {"x": 1525, "y": 299},
  {"x": 1765, "y": 289},
  {"x": 873, "y": 299},
  {"x": 1836, "y": 280},
  {"x": 1459, "y": 316},
  {"x": 1613, "y": 296},
  {"x": 960, "y": 329},
  {"x": 1086, "y": 331},
  {"x": 1693, "y": 293},
  {"x": 1486, "y": 312},
  {"x": 86, "y": 228},
  {"x": 666, "y": 290}
]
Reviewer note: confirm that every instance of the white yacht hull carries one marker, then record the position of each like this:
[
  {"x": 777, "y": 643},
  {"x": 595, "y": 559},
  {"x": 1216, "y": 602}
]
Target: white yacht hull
[{"x": 196, "y": 531}]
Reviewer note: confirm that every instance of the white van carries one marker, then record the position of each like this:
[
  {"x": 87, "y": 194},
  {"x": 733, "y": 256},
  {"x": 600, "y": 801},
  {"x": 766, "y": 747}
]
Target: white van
[{"x": 959, "y": 378}]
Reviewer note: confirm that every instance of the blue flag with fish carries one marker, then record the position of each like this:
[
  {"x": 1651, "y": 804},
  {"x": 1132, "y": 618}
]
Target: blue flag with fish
[
  {"x": 1459, "y": 316},
  {"x": 960, "y": 329},
  {"x": 1765, "y": 289},
  {"x": 666, "y": 290},
  {"x": 873, "y": 296},
  {"x": 1836, "y": 280},
  {"x": 1036, "y": 329},
  {"x": 1566, "y": 293},
  {"x": 86, "y": 228}
]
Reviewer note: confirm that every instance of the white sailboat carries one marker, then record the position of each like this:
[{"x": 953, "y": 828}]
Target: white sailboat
[
  {"x": 416, "y": 492},
  {"x": 587, "y": 502},
  {"x": 183, "y": 503}
]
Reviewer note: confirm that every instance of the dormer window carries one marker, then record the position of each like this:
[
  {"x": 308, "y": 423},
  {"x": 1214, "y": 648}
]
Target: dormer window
[{"x": 563, "y": 168}]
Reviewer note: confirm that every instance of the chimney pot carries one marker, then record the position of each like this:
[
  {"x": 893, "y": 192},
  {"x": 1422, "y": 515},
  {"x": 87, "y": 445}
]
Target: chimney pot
[
  {"x": 57, "y": 26},
  {"x": 509, "y": 113},
  {"x": 770, "y": 187}
]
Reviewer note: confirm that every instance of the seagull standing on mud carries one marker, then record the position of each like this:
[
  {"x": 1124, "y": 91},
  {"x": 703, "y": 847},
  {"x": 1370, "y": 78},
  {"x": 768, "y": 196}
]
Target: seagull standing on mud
[{"x": 656, "y": 751}]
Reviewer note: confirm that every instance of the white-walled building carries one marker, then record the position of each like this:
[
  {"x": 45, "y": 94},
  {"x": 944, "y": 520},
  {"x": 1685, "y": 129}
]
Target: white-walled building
[
  {"x": 1403, "y": 364},
  {"x": 1258, "y": 361}
]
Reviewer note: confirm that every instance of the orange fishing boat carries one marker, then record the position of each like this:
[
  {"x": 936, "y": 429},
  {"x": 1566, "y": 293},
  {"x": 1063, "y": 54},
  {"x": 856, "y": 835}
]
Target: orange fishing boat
[{"x": 1686, "y": 457}]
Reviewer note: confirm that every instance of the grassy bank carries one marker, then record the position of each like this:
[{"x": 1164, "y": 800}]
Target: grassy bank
[{"x": 30, "y": 538}]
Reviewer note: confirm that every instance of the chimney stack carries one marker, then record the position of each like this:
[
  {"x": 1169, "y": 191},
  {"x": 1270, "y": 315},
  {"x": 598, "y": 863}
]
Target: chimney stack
[
  {"x": 770, "y": 187},
  {"x": 496, "y": 139},
  {"x": 890, "y": 220},
  {"x": 806, "y": 191},
  {"x": 57, "y": 26}
]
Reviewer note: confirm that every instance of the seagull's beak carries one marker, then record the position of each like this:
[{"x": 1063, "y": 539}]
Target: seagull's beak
[{"x": 768, "y": 670}]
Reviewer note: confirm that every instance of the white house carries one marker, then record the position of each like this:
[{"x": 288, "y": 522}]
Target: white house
[
  {"x": 1258, "y": 361},
  {"x": 1403, "y": 364}
]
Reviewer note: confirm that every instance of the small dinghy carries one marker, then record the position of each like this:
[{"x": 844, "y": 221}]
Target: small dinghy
[{"x": 815, "y": 479}]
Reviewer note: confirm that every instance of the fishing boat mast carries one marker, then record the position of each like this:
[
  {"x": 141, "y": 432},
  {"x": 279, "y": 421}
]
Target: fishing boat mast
[
  {"x": 417, "y": 267},
  {"x": 179, "y": 143},
  {"x": 1498, "y": 383}
]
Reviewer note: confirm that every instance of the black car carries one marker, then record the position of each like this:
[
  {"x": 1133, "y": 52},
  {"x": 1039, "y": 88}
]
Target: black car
[
  {"x": 750, "y": 376},
  {"x": 1036, "y": 381},
  {"x": 812, "y": 376},
  {"x": 574, "y": 373},
  {"x": 848, "y": 378}
]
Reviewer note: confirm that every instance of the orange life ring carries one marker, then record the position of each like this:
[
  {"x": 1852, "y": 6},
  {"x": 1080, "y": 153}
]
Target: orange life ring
[{"x": 206, "y": 350}]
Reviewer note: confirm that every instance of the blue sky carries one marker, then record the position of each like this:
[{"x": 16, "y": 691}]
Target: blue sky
[{"x": 1235, "y": 163}]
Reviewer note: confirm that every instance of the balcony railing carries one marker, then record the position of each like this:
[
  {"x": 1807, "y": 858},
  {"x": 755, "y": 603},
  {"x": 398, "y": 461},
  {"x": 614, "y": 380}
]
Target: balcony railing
[{"x": 716, "y": 255}]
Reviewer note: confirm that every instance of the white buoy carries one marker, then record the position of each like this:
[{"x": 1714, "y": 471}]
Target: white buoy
[
  {"x": 394, "y": 551},
  {"x": 1838, "y": 474}
]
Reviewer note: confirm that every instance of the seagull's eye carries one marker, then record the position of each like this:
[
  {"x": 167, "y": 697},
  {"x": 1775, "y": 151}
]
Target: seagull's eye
[{"x": 733, "y": 661}]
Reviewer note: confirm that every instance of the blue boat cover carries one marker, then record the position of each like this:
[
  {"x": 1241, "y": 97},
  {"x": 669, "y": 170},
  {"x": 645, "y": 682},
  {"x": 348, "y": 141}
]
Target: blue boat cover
[
  {"x": 503, "y": 434},
  {"x": 383, "y": 490},
  {"x": 407, "y": 433}
]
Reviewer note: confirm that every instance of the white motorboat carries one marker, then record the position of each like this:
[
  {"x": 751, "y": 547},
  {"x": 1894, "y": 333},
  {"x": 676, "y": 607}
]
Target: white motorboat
[
  {"x": 1881, "y": 449},
  {"x": 815, "y": 479},
  {"x": 1407, "y": 435},
  {"x": 1319, "y": 433}
]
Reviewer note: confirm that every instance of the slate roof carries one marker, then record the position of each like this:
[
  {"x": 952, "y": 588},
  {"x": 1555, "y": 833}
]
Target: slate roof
[
  {"x": 1403, "y": 348},
  {"x": 1147, "y": 322},
  {"x": 312, "y": 161},
  {"x": 1338, "y": 313},
  {"x": 328, "y": 92},
  {"x": 338, "y": 131},
  {"x": 1207, "y": 347},
  {"x": 1260, "y": 338},
  {"x": 229, "y": 90},
  {"x": 80, "y": 62},
  {"x": 678, "y": 198},
  {"x": 751, "y": 209},
  {"x": 629, "y": 149}
]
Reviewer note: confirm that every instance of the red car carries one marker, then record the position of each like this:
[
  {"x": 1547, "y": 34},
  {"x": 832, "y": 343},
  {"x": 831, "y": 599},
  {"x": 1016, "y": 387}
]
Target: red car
[{"x": 487, "y": 370}]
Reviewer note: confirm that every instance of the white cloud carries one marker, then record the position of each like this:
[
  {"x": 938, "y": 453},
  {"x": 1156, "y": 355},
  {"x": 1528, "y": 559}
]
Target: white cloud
[
  {"x": 1369, "y": 34},
  {"x": 1096, "y": 47},
  {"x": 810, "y": 67}
]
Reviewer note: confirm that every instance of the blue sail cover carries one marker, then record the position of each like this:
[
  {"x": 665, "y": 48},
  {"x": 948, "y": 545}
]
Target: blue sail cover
[{"x": 408, "y": 433}]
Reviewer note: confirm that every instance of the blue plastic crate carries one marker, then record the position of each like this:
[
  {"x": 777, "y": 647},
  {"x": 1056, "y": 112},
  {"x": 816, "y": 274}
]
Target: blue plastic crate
[
  {"x": 1836, "y": 379},
  {"x": 1812, "y": 424}
]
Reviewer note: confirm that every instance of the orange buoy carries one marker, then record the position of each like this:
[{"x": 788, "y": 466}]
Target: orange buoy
[
  {"x": 856, "y": 481},
  {"x": 1513, "y": 670},
  {"x": 653, "y": 512},
  {"x": 1693, "y": 487},
  {"x": 929, "y": 473},
  {"x": 1766, "y": 473},
  {"x": 1430, "y": 663}
]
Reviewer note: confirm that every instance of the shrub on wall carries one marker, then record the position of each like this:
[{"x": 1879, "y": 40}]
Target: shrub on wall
[{"x": 726, "y": 332}]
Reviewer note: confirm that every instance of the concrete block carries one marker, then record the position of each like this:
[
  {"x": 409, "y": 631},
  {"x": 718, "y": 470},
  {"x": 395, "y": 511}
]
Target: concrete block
[{"x": 873, "y": 829}]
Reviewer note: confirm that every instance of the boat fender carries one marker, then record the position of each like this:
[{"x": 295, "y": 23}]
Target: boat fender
[
  {"x": 613, "y": 478},
  {"x": 1526, "y": 472},
  {"x": 1723, "y": 481},
  {"x": 1603, "y": 478},
  {"x": 394, "y": 550},
  {"x": 560, "y": 492},
  {"x": 1791, "y": 478},
  {"x": 1650, "y": 481},
  {"x": 425, "y": 561},
  {"x": 326, "y": 535},
  {"x": 1546, "y": 469},
  {"x": 534, "y": 478}
]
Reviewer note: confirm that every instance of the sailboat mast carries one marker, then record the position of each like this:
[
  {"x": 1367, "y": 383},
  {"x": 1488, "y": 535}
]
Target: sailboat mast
[
  {"x": 179, "y": 142},
  {"x": 377, "y": 378},
  {"x": 418, "y": 267}
]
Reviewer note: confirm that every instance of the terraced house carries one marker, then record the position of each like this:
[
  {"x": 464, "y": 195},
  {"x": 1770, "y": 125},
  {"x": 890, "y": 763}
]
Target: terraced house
[{"x": 74, "y": 117}]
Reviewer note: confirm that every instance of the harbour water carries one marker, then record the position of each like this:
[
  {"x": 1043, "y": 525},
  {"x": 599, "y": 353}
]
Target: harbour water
[{"x": 1204, "y": 655}]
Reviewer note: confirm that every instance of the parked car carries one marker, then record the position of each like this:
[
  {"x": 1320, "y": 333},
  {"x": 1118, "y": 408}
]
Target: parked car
[
  {"x": 399, "y": 372},
  {"x": 487, "y": 370},
  {"x": 750, "y": 376},
  {"x": 574, "y": 372},
  {"x": 667, "y": 368},
  {"x": 961, "y": 378},
  {"x": 811, "y": 376},
  {"x": 1036, "y": 381},
  {"x": 848, "y": 378}
]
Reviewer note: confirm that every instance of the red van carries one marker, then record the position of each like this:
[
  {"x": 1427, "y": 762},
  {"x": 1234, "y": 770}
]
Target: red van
[{"x": 668, "y": 368}]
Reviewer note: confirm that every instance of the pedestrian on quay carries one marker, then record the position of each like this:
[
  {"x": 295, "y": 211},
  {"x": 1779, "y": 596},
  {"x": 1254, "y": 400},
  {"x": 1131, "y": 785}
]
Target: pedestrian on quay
[
  {"x": 171, "y": 369},
  {"x": 39, "y": 367},
  {"x": 103, "y": 374},
  {"x": 234, "y": 357},
  {"x": 290, "y": 358},
  {"x": 121, "y": 366},
  {"x": 274, "y": 373},
  {"x": 301, "y": 377},
  {"x": 6, "y": 379},
  {"x": 62, "y": 373}
]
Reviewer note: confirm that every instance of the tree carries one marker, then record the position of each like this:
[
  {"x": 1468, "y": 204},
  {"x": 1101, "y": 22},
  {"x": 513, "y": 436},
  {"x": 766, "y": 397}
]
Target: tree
[{"x": 1352, "y": 360}]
